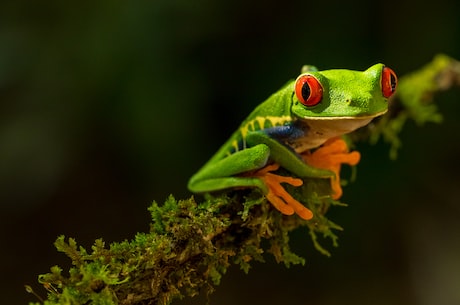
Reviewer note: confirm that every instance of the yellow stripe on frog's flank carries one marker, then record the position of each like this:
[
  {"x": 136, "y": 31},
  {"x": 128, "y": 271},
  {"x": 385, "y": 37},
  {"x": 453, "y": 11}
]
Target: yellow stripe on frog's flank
[
  {"x": 278, "y": 120},
  {"x": 235, "y": 145},
  {"x": 262, "y": 122}
]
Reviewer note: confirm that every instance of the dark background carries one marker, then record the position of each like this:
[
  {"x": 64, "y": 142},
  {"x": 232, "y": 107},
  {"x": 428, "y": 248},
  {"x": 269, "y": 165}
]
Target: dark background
[{"x": 108, "y": 105}]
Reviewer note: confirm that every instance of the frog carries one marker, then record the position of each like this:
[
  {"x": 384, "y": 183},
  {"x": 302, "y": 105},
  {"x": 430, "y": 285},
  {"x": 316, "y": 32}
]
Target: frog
[{"x": 300, "y": 129}]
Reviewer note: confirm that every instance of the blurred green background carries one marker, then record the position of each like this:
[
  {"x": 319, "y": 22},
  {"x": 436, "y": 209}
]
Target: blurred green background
[{"x": 108, "y": 105}]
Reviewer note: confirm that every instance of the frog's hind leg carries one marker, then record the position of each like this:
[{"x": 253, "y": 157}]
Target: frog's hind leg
[{"x": 222, "y": 174}]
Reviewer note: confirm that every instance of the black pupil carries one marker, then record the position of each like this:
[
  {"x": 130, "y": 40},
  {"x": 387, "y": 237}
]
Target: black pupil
[
  {"x": 306, "y": 91},
  {"x": 392, "y": 82}
]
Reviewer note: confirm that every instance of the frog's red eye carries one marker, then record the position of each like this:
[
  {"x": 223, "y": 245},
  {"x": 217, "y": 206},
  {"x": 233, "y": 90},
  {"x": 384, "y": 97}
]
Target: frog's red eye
[
  {"x": 389, "y": 82},
  {"x": 308, "y": 90}
]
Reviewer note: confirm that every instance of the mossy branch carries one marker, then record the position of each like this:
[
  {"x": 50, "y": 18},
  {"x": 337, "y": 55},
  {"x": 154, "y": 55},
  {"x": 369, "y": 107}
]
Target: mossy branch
[{"x": 190, "y": 245}]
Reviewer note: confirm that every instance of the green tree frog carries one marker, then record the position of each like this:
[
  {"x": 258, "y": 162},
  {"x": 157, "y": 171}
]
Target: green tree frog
[{"x": 298, "y": 128}]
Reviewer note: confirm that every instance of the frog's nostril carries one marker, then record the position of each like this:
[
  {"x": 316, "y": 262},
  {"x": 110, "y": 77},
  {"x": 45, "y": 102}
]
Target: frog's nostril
[{"x": 357, "y": 103}]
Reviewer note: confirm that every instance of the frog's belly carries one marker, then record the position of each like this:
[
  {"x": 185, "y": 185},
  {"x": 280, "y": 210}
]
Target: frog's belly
[{"x": 319, "y": 131}]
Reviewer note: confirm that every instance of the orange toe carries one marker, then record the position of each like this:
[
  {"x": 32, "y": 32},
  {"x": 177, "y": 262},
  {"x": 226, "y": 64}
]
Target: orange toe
[
  {"x": 278, "y": 196},
  {"x": 331, "y": 156}
]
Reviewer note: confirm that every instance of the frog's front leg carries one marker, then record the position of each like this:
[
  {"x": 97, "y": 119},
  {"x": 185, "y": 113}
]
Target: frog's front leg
[
  {"x": 331, "y": 155},
  {"x": 284, "y": 155},
  {"x": 289, "y": 160}
]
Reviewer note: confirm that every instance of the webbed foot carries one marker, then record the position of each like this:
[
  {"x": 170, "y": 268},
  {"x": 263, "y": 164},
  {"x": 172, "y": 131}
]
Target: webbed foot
[
  {"x": 331, "y": 155},
  {"x": 278, "y": 196}
]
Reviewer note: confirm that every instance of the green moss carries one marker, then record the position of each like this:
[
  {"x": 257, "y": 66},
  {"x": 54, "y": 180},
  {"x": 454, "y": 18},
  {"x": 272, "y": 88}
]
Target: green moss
[{"x": 188, "y": 249}]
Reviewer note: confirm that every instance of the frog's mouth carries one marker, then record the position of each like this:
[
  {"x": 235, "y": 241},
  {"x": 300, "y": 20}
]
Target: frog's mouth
[{"x": 364, "y": 116}]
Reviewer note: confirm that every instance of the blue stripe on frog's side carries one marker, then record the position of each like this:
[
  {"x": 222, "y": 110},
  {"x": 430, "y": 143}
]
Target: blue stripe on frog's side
[
  {"x": 285, "y": 132},
  {"x": 278, "y": 127}
]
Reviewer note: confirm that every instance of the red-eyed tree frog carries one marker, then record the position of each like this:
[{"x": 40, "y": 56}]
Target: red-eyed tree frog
[{"x": 299, "y": 128}]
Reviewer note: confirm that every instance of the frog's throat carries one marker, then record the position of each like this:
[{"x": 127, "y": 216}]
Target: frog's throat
[{"x": 318, "y": 131}]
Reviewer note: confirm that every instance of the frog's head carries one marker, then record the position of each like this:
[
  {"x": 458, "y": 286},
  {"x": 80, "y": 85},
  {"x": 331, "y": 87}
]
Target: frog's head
[{"x": 343, "y": 94}]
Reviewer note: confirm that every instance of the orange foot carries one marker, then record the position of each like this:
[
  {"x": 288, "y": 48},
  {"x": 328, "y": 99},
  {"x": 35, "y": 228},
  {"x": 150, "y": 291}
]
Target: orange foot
[
  {"x": 278, "y": 196},
  {"x": 331, "y": 156}
]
